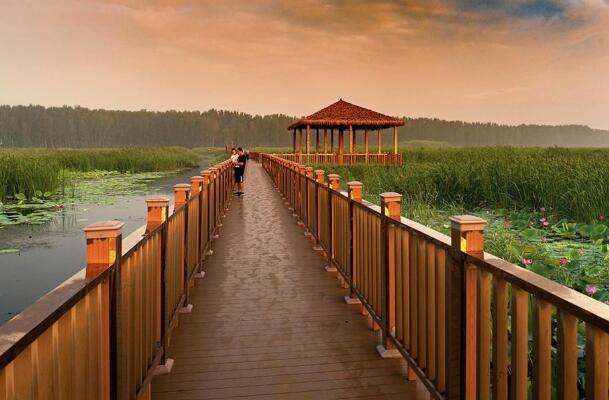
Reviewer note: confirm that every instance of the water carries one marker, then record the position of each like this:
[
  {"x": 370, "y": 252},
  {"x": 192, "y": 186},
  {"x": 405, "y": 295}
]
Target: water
[{"x": 51, "y": 253}]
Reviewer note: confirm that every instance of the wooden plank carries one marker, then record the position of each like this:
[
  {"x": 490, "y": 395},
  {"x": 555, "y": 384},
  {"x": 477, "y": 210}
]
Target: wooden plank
[
  {"x": 441, "y": 318},
  {"x": 597, "y": 357},
  {"x": 520, "y": 343},
  {"x": 542, "y": 350},
  {"x": 414, "y": 309},
  {"x": 483, "y": 378},
  {"x": 566, "y": 368},
  {"x": 405, "y": 261},
  {"x": 500, "y": 341},
  {"x": 422, "y": 302},
  {"x": 430, "y": 317}
]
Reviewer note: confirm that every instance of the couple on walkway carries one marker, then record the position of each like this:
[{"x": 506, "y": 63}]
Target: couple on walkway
[{"x": 239, "y": 158}]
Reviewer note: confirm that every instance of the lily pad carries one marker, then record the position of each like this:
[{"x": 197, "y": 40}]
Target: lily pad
[{"x": 9, "y": 251}]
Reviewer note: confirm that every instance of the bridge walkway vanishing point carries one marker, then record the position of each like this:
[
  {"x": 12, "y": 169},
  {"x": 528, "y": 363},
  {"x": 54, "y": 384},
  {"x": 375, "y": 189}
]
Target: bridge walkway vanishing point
[{"x": 269, "y": 322}]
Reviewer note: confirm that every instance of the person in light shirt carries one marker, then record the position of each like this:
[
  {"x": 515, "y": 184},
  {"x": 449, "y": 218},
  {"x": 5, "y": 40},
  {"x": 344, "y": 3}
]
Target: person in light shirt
[{"x": 233, "y": 155}]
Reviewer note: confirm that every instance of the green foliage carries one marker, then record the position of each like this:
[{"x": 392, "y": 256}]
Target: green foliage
[
  {"x": 79, "y": 127},
  {"x": 546, "y": 208},
  {"x": 34, "y": 174},
  {"x": 571, "y": 183}
]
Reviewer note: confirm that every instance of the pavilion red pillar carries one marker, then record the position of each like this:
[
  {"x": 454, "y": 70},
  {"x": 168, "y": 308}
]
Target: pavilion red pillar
[
  {"x": 325, "y": 141},
  {"x": 294, "y": 141},
  {"x": 395, "y": 140},
  {"x": 378, "y": 138},
  {"x": 341, "y": 145},
  {"x": 366, "y": 144},
  {"x": 308, "y": 139}
]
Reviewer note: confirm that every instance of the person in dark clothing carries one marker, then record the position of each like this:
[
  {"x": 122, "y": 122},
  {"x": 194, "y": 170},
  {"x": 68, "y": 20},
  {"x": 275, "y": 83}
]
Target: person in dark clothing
[{"x": 240, "y": 171}]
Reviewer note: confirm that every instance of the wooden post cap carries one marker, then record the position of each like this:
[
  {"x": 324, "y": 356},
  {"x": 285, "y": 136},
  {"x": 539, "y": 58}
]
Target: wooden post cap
[
  {"x": 104, "y": 229},
  {"x": 333, "y": 181},
  {"x": 181, "y": 187},
  {"x": 205, "y": 172},
  {"x": 157, "y": 201},
  {"x": 309, "y": 171},
  {"x": 388, "y": 197},
  {"x": 355, "y": 190},
  {"x": 390, "y": 204},
  {"x": 467, "y": 223},
  {"x": 319, "y": 175},
  {"x": 196, "y": 183}
]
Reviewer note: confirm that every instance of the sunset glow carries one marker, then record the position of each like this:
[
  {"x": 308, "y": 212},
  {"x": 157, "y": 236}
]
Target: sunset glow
[{"x": 512, "y": 61}]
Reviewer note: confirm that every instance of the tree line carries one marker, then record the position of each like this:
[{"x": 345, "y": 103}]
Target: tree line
[{"x": 80, "y": 127}]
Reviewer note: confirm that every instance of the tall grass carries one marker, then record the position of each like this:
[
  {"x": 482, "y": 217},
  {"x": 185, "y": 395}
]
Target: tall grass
[
  {"x": 29, "y": 170},
  {"x": 572, "y": 183}
]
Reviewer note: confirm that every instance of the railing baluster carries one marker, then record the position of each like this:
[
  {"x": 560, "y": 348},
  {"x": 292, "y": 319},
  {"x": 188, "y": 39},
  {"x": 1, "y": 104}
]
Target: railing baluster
[
  {"x": 484, "y": 334},
  {"x": 542, "y": 350},
  {"x": 597, "y": 357},
  {"x": 566, "y": 369}
]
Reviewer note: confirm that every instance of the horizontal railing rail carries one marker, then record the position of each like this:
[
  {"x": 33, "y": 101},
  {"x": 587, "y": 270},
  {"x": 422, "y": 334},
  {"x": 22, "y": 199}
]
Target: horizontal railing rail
[
  {"x": 105, "y": 332},
  {"x": 332, "y": 158},
  {"x": 469, "y": 325}
]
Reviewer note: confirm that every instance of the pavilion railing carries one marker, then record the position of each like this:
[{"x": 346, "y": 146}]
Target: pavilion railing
[
  {"x": 347, "y": 159},
  {"x": 104, "y": 332},
  {"x": 469, "y": 325}
]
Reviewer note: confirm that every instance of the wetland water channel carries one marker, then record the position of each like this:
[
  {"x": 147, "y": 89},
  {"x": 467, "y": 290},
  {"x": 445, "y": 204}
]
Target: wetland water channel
[{"x": 52, "y": 252}]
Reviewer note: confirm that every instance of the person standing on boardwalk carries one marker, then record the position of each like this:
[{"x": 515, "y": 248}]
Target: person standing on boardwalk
[
  {"x": 240, "y": 170},
  {"x": 234, "y": 155}
]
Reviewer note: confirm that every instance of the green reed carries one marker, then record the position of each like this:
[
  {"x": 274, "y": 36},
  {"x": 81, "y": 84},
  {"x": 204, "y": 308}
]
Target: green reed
[
  {"x": 572, "y": 183},
  {"x": 28, "y": 171}
]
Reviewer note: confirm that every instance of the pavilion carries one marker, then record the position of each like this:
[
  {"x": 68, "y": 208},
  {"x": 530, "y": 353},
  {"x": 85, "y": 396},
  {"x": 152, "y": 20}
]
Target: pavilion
[{"x": 344, "y": 117}]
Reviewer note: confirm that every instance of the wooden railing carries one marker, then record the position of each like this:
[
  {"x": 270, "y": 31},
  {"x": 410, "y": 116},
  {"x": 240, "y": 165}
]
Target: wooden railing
[
  {"x": 104, "y": 332},
  {"x": 347, "y": 159},
  {"x": 469, "y": 325}
]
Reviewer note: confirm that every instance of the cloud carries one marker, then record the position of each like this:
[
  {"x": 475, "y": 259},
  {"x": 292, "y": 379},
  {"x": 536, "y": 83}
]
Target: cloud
[{"x": 446, "y": 58}]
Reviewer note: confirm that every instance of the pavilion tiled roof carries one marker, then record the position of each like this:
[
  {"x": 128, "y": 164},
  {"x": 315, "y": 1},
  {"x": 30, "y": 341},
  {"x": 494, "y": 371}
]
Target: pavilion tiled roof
[{"x": 342, "y": 114}]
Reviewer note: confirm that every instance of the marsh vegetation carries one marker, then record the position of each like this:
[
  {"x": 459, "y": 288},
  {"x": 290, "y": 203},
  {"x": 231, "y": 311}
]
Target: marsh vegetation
[{"x": 546, "y": 208}]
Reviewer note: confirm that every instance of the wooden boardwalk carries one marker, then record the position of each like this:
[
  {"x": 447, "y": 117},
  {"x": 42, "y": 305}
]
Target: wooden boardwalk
[{"x": 270, "y": 323}]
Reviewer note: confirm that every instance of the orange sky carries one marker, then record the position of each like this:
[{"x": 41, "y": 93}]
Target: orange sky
[{"x": 514, "y": 61}]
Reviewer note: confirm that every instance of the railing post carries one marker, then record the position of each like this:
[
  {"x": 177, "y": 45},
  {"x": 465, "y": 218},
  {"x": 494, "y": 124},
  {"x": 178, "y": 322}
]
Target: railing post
[
  {"x": 206, "y": 174},
  {"x": 320, "y": 179},
  {"x": 301, "y": 194},
  {"x": 355, "y": 195},
  {"x": 196, "y": 187},
  {"x": 158, "y": 212},
  {"x": 390, "y": 206},
  {"x": 181, "y": 192},
  {"x": 103, "y": 250},
  {"x": 334, "y": 185},
  {"x": 467, "y": 237},
  {"x": 308, "y": 174}
]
